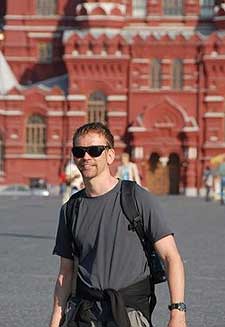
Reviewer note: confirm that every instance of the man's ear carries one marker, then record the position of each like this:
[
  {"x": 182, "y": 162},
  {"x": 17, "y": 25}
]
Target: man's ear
[{"x": 110, "y": 156}]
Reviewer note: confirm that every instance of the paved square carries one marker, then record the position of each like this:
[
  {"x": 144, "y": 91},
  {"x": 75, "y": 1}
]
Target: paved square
[{"x": 28, "y": 270}]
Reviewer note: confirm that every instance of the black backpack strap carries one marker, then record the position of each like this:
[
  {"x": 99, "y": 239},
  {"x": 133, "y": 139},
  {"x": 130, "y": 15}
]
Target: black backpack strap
[
  {"x": 131, "y": 212},
  {"x": 72, "y": 208},
  {"x": 128, "y": 204}
]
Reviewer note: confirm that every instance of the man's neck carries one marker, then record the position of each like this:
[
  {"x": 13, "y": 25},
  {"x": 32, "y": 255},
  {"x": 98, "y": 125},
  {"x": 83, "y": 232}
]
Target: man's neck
[{"x": 97, "y": 186}]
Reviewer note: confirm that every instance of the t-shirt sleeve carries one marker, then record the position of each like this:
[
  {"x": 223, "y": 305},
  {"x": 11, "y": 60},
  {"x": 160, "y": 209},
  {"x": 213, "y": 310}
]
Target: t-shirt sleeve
[
  {"x": 155, "y": 222},
  {"x": 63, "y": 243}
]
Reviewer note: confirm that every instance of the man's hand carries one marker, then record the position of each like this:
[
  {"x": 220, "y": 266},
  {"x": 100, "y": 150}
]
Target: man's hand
[{"x": 177, "y": 319}]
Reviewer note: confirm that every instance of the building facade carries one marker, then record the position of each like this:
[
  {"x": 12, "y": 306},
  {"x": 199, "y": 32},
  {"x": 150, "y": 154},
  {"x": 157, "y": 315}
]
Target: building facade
[{"x": 153, "y": 71}]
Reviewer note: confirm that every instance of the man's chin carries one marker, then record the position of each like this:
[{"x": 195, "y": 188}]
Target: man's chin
[{"x": 87, "y": 175}]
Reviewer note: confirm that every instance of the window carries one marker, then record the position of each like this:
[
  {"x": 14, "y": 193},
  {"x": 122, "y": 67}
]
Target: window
[
  {"x": 207, "y": 8},
  {"x": 177, "y": 74},
  {"x": 46, "y": 7},
  {"x": 156, "y": 74},
  {"x": 1, "y": 155},
  {"x": 45, "y": 52},
  {"x": 173, "y": 7},
  {"x": 35, "y": 135},
  {"x": 139, "y": 8},
  {"x": 97, "y": 107}
]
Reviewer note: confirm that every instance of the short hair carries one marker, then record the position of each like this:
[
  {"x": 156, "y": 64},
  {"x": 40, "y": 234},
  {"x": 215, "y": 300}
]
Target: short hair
[{"x": 98, "y": 128}]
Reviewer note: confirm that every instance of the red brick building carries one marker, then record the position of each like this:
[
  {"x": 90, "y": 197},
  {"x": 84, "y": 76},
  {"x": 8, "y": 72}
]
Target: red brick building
[{"x": 154, "y": 71}]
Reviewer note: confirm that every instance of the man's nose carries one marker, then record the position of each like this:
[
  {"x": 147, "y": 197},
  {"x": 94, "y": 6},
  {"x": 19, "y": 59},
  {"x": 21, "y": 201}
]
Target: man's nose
[{"x": 86, "y": 155}]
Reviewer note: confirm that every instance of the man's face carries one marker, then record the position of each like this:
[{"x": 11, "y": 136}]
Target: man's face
[{"x": 89, "y": 166}]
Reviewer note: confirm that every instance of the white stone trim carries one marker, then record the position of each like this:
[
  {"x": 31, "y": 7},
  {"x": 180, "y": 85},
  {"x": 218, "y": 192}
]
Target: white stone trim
[
  {"x": 190, "y": 129},
  {"x": 219, "y": 18},
  {"x": 76, "y": 97},
  {"x": 191, "y": 191},
  {"x": 187, "y": 119},
  {"x": 100, "y": 17},
  {"x": 10, "y": 112},
  {"x": 189, "y": 61},
  {"x": 43, "y": 35},
  {"x": 35, "y": 156},
  {"x": 116, "y": 113},
  {"x": 26, "y": 17},
  {"x": 215, "y": 56},
  {"x": 117, "y": 97},
  {"x": 29, "y": 59},
  {"x": 166, "y": 61},
  {"x": 53, "y": 113},
  {"x": 30, "y": 28},
  {"x": 214, "y": 98},
  {"x": 74, "y": 55},
  {"x": 55, "y": 98},
  {"x": 75, "y": 113},
  {"x": 140, "y": 60},
  {"x": 165, "y": 87},
  {"x": 107, "y": 7},
  {"x": 144, "y": 87},
  {"x": 214, "y": 115},
  {"x": 12, "y": 97},
  {"x": 137, "y": 129}
]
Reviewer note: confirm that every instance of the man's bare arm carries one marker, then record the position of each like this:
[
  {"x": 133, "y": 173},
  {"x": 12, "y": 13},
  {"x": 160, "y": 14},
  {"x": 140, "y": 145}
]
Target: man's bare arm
[
  {"x": 62, "y": 290},
  {"x": 168, "y": 251}
]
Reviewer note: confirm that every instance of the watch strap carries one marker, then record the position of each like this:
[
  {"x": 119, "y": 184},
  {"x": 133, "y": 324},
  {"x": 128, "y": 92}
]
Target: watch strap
[{"x": 181, "y": 306}]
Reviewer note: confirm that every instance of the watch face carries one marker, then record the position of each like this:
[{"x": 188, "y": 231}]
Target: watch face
[{"x": 181, "y": 307}]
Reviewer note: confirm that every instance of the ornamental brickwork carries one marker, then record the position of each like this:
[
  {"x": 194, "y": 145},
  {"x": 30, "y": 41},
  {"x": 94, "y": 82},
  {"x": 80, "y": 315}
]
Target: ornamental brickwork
[{"x": 152, "y": 71}]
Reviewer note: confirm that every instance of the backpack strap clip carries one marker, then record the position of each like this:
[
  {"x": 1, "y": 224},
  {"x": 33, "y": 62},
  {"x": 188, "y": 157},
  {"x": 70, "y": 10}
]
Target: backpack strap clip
[{"x": 133, "y": 225}]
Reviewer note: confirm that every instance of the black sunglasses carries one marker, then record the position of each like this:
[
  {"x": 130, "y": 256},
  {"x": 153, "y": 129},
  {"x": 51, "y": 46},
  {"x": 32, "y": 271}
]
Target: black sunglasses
[{"x": 93, "y": 151}]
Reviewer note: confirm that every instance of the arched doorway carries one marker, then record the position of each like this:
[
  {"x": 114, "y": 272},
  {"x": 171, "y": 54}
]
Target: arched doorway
[
  {"x": 157, "y": 176},
  {"x": 174, "y": 173}
]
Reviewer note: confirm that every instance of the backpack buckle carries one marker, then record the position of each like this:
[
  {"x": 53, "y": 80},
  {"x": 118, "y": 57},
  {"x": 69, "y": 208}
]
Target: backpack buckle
[{"x": 132, "y": 226}]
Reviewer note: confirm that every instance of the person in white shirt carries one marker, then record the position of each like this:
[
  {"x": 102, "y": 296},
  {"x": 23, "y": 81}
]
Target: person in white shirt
[
  {"x": 128, "y": 170},
  {"x": 74, "y": 180}
]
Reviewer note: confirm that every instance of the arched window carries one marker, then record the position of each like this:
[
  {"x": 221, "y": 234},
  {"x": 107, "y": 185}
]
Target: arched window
[
  {"x": 173, "y": 7},
  {"x": 1, "y": 154},
  {"x": 46, "y": 7},
  {"x": 97, "y": 107},
  {"x": 207, "y": 8},
  {"x": 35, "y": 135},
  {"x": 139, "y": 8},
  {"x": 177, "y": 82},
  {"x": 156, "y": 74}
]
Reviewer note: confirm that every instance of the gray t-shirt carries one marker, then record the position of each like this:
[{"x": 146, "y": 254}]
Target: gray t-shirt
[{"x": 110, "y": 255}]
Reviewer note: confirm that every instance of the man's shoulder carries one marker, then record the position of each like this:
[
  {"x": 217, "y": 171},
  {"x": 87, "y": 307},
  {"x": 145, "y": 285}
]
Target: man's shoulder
[
  {"x": 74, "y": 198},
  {"x": 145, "y": 196}
]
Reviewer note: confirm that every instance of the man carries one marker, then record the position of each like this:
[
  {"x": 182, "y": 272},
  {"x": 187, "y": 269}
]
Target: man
[
  {"x": 128, "y": 170},
  {"x": 111, "y": 258}
]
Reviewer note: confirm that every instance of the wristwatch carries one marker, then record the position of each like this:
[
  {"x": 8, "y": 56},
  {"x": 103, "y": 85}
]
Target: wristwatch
[{"x": 181, "y": 306}]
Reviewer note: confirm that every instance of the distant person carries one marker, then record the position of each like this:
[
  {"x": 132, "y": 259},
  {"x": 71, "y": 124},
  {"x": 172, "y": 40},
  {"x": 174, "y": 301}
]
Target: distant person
[
  {"x": 128, "y": 170},
  {"x": 73, "y": 179},
  {"x": 208, "y": 182},
  {"x": 221, "y": 172},
  {"x": 62, "y": 183}
]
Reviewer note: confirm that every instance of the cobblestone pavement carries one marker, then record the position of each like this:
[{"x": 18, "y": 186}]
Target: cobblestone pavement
[{"x": 28, "y": 270}]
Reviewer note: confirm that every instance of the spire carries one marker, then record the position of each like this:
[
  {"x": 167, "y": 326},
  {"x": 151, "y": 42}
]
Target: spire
[{"x": 7, "y": 78}]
